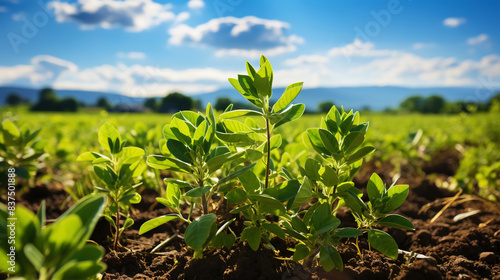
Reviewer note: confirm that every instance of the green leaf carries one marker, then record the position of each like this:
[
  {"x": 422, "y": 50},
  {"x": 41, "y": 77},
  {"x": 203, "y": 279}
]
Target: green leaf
[
  {"x": 354, "y": 202},
  {"x": 236, "y": 196},
  {"x": 252, "y": 98},
  {"x": 312, "y": 168},
  {"x": 275, "y": 229},
  {"x": 156, "y": 222},
  {"x": 128, "y": 223},
  {"x": 91, "y": 156},
  {"x": 181, "y": 131},
  {"x": 108, "y": 134},
  {"x": 247, "y": 84},
  {"x": 252, "y": 236},
  {"x": 288, "y": 96},
  {"x": 317, "y": 143},
  {"x": 235, "y": 174},
  {"x": 396, "y": 221},
  {"x": 197, "y": 192},
  {"x": 329, "y": 176},
  {"x": 383, "y": 242},
  {"x": 199, "y": 231},
  {"x": 348, "y": 232},
  {"x": 249, "y": 181},
  {"x": 291, "y": 113},
  {"x": 330, "y": 258},
  {"x": 217, "y": 162},
  {"x": 359, "y": 154},
  {"x": 329, "y": 141},
  {"x": 263, "y": 80},
  {"x": 375, "y": 187},
  {"x": 250, "y": 70},
  {"x": 179, "y": 150},
  {"x": 301, "y": 252},
  {"x": 284, "y": 191},
  {"x": 239, "y": 113},
  {"x": 299, "y": 225},
  {"x": 34, "y": 256},
  {"x": 275, "y": 143},
  {"x": 173, "y": 195},
  {"x": 397, "y": 194},
  {"x": 322, "y": 219},
  {"x": 269, "y": 204},
  {"x": 106, "y": 175},
  {"x": 303, "y": 195},
  {"x": 172, "y": 164},
  {"x": 352, "y": 141}
]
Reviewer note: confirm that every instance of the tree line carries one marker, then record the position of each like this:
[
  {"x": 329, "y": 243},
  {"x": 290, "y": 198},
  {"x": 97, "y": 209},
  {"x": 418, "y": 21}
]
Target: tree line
[{"x": 175, "y": 101}]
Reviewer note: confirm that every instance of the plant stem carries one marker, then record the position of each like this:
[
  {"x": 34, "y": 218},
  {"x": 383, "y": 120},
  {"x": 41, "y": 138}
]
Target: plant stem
[
  {"x": 268, "y": 167},
  {"x": 117, "y": 228},
  {"x": 203, "y": 199}
]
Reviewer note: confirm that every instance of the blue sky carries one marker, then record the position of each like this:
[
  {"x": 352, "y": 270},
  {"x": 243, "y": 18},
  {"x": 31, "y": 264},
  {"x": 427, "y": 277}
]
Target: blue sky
[{"x": 150, "y": 48}]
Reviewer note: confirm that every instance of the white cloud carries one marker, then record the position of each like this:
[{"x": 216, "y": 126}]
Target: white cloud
[
  {"x": 3, "y": 9},
  {"x": 196, "y": 4},
  {"x": 43, "y": 70},
  {"x": 453, "y": 22},
  {"x": 422, "y": 46},
  {"x": 182, "y": 17},
  {"x": 131, "y": 55},
  {"x": 238, "y": 36},
  {"x": 306, "y": 60},
  {"x": 133, "y": 15},
  {"x": 360, "y": 48},
  {"x": 478, "y": 39}
]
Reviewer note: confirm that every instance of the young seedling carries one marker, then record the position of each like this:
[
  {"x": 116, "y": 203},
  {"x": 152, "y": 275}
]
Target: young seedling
[
  {"x": 339, "y": 142},
  {"x": 57, "y": 251},
  {"x": 188, "y": 149},
  {"x": 117, "y": 173},
  {"x": 261, "y": 197},
  {"x": 20, "y": 149}
]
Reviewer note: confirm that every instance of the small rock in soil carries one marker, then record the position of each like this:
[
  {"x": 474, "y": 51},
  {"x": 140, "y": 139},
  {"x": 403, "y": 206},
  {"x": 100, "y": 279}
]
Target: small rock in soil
[{"x": 488, "y": 257}]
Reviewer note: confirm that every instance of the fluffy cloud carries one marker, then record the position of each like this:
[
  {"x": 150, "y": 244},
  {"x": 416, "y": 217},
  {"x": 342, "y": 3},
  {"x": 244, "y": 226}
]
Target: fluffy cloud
[
  {"x": 478, "y": 39},
  {"x": 249, "y": 36},
  {"x": 196, "y": 4},
  {"x": 131, "y": 55},
  {"x": 135, "y": 80},
  {"x": 43, "y": 70},
  {"x": 360, "y": 48},
  {"x": 371, "y": 66},
  {"x": 453, "y": 22},
  {"x": 133, "y": 15}
]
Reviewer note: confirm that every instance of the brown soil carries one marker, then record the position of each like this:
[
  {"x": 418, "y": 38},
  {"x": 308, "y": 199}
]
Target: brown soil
[{"x": 464, "y": 249}]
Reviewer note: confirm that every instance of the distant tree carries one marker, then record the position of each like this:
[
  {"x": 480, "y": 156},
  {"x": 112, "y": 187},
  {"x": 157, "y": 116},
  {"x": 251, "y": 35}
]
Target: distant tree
[
  {"x": 222, "y": 102},
  {"x": 494, "y": 103},
  {"x": 151, "y": 103},
  {"x": 176, "y": 101},
  {"x": 14, "y": 99},
  {"x": 47, "y": 101},
  {"x": 434, "y": 104},
  {"x": 325, "y": 106},
  {"x": 68, "y": 105},
  {"x": 102, "y": 102},
  {"x": 413, "y": 104}
]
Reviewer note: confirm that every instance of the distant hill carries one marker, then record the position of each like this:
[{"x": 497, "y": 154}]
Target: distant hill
[
  {"x": 375, "y": 98},
  {"x": 87, "y": 97}
]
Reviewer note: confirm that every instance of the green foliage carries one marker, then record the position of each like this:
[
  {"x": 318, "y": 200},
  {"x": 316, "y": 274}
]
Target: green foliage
[
  {"x": 57, "y": 251},
  {"x": 325, "y": 106},
  {"x": 117, "y": 173},
  {"x": 21, "y": 149},
  {"x": 49, "y": 101},
  {"x": 433, "y": 104},
  {"x": 176, "y": 101}
]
